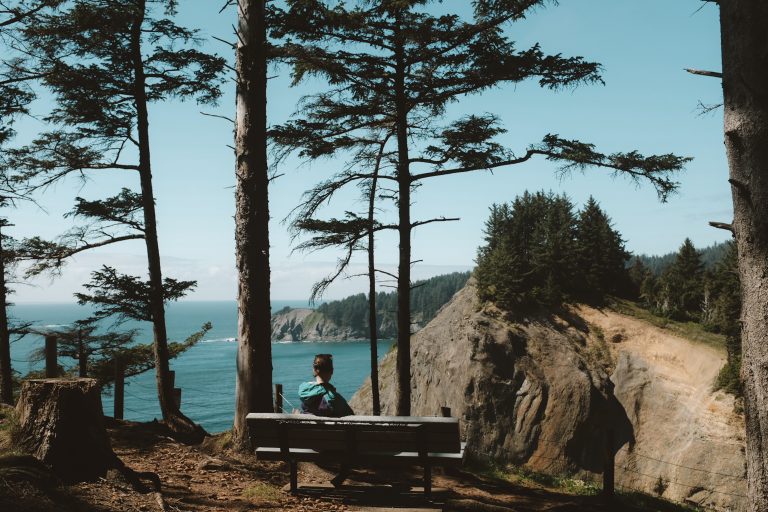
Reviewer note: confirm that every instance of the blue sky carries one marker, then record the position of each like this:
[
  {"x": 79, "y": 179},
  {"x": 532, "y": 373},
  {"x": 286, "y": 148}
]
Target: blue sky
[{"x": 648, "y": 103}]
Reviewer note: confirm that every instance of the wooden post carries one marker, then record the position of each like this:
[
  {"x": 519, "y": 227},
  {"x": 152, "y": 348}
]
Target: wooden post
[
  {"x": 608, "y": 465},
  {"x": 174, "y": 390},
  {"x": 278, "y": 398},
  {"x": 119, "y": 388},
  {"x": 445, "y": 412},
  {"x": 51, "y": 364}
]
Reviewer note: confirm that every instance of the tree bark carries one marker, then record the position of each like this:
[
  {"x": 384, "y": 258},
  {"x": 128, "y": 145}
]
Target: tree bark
[
  {"x": 745, "y": 90},
  {"x": 6, "y": 375},
  {"x": 403, "y": 388},
  {"x": 61, "y": 424},
  {"x": 372, "y": 321},
  {"x": 253, "y": 388},
  {"x": 172, "y": 416}
]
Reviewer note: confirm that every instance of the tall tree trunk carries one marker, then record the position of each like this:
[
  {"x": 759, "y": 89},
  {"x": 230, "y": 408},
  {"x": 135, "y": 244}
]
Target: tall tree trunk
[
  {"x": 254, "y": 330},
  {"x": 372, "y": 321},
  {"x": 82, "y": 359},
  {"x": 175, "y": 420},
  {"x": 745, "y": 89},
  {"x": 403, "y": 388},
  {"x": 6, "y": 376}
]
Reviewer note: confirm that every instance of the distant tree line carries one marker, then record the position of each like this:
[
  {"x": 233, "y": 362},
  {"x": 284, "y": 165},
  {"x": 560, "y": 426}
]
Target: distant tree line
[
  {"x": 686, "y": 290},
  {"x": 657, "y": 264},
  {"x": 540, "y": 252},
  {"x": 427, "y": 297}
]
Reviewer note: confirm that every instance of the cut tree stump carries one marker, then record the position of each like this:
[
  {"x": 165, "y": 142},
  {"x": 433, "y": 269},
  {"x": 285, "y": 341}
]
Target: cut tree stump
[{"x": 62, "y": 424}]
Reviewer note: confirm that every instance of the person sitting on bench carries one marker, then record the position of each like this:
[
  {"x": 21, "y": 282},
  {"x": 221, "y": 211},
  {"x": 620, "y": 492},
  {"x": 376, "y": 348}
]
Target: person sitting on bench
[{"x": 319, "y": 397}]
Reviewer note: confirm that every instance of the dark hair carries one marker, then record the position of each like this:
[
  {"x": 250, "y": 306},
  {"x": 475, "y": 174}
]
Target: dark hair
[{"x": 323, "y": 363}]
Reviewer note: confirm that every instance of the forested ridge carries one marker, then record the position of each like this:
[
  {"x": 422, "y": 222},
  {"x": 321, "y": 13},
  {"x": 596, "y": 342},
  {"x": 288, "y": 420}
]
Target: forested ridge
[
  {"x": 427, "y": 297},
  {"x": 540, "y": 253}
]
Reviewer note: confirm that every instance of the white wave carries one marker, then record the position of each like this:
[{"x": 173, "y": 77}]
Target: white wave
[{"x": 220, "y": 340}]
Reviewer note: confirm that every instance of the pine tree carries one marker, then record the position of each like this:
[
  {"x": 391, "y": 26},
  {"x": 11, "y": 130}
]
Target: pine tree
[
  {"x": 725, "y": 288},
  {"x": 600, "y": 255},
  {"x": 637, "y": 274},
  {"x": 684, "y": 283},
  {"x": 106, "y": 61},
  {"x": 394, "y": 66},
  {"x": 16, "y": 95}
]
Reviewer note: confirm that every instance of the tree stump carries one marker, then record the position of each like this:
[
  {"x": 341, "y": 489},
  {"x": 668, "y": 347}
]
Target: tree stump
[{"x": 62, "y": 424}]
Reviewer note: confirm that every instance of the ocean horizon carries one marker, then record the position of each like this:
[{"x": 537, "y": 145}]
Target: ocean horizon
[{"x": 205, "y": 372}]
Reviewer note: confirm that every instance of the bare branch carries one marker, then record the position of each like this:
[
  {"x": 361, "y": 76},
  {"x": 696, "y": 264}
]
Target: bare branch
[
  {"x": 219, "y": 116},
  {"x": 430, "y": 221},
  {"x": 722, "y": 225},
  {"x": 703, "y": 72}
]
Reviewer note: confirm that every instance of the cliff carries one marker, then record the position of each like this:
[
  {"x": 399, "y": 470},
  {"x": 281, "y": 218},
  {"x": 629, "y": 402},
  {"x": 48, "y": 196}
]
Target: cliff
[
  {"x": 543, "y": 393},
  {"x": 304, "y": 324}
]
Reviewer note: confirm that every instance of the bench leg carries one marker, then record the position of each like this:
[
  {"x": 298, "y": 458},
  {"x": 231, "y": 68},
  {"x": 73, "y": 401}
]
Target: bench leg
[
  {"x": 294, "y": 476},
  {"x": 427, "y": 480}
]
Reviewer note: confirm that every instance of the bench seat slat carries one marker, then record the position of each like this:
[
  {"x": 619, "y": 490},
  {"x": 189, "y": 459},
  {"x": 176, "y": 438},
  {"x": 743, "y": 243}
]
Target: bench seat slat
[
  {"x": 337, "y": 439},
  {"x": 405, "y": 458}
]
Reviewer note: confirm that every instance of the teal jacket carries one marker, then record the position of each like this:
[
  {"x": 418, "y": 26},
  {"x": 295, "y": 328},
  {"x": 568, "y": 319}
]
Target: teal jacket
[{"x": 322, "y": 400}]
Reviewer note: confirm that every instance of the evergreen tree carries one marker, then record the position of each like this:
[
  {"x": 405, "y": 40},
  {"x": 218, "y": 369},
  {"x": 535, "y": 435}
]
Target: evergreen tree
[
  {"x": 725, "y": 289},
  {"x": 16, "y": 95},
  {"x": 392, "y": 65},
  {"x": 600, "y": 255},
  {"x": 637, "y": 274},
  {"x": 745, "y": 78},
  {"x": 253, "y": 387},
  {"x": 106, "y": 61},
  {"x": 684, "y": 284}
]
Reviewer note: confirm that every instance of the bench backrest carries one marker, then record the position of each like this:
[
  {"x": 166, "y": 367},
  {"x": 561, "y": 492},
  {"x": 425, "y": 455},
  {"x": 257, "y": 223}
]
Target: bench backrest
[{"x": 361, "y": 434}]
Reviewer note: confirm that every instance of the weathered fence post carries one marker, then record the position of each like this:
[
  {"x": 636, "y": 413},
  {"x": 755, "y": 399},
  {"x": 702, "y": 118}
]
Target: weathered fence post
[
  {"x": 51, "y": 363},
  {"x": 176, "y": 391},
  {"x": 119, "y": 388},
  {"x": 608, "y": 465},
  {"x": 278, "y": 398}
]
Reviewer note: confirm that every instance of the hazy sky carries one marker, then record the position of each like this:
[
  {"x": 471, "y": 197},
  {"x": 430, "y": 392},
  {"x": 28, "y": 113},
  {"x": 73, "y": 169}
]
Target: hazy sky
[{"x": 648, "y": 103}]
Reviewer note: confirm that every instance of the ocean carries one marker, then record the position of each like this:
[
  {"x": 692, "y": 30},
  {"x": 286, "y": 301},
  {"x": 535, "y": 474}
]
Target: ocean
[{"x": 205, "y": 372}]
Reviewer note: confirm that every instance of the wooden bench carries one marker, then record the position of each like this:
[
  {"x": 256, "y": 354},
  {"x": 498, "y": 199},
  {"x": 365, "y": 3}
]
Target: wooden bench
[{"x": 357, "y": 441}]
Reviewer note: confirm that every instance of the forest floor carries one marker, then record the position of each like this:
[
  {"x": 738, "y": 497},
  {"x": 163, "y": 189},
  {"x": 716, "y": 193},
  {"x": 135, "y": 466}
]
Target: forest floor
[{"x": 210, "y": 477}]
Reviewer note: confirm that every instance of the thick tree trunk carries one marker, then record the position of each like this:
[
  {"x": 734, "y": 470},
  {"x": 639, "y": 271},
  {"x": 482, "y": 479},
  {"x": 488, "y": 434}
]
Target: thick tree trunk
[
  {"x": 254, "y": 333},
  {"x": 6, "y": 371},
  {"x": 745, "y": 89},
  {"x": 403, "y": 389},
  {"x": 61, "y": 423},
  {"x": 172, "y": 416},
  {"x": 372, "y": 321}
]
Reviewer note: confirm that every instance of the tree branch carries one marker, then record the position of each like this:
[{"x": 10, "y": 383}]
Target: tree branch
[
  {"x": 702, "y": 72},
  {"x": 722, "y": 225},
  {"x": 430, "y": 221}
]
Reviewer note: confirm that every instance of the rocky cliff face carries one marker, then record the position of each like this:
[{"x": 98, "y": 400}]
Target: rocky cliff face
[
  {"x": 304, "y": 324},
  {"x": 688, "y": 440},
  {"x": 544, "y": 393}
]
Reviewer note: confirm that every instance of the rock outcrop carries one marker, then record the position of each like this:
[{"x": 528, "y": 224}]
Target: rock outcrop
[
  {"x": 544, "y": 392},
  {"x": 305, "y": 324},
  {"x": 688, "y": 439},
  {"x": 535, "y": 393}
]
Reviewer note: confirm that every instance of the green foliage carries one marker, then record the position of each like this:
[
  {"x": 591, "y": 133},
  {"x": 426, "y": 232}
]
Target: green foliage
[
  {"x": 710, "y": 256},
  {"x": 427, "y": 297},
  {"x": 537, "y": 252},
  {"x": 127, "y": 297},
  {"x": 140, "y": 358},
  {"x": 712, "y": 299}
]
